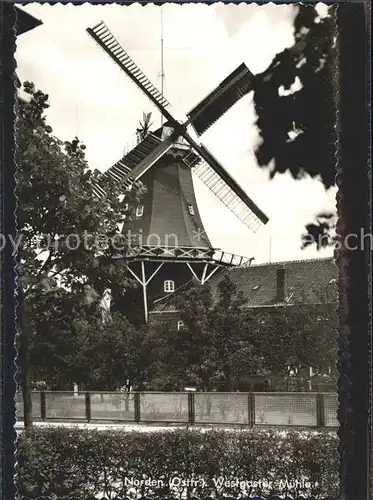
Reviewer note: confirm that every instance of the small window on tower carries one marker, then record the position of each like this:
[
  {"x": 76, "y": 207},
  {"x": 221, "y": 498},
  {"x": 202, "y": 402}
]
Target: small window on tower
[
  {"x": 169, "y": 286},
  {"x": 191, "y": 209},
  {"x": 140, "y": 211},
  {"x": 180, "y": 325}
]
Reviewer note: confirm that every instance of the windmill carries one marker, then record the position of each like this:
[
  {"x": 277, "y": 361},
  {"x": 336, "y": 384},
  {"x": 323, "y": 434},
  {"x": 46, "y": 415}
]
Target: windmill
[{"x": 164, "y": 160}]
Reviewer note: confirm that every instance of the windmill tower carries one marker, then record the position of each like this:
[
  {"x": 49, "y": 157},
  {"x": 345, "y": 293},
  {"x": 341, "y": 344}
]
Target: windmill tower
[{"x": 173, "y": 246}]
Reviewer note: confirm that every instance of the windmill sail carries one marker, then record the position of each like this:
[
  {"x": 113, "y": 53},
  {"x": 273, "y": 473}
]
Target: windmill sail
[
  {"x": 228, "y": 196},
  {"x": 98, "y": 191},
  {"x": 229, "y": 192},
  {"x": 135, "y": 163},
  {"x": 137, "y": 154},
  {"x": 121, "y": 170},
  {"x": 139, "y": 160},
  {"x": 150, "y": 159},
  {"x": 220, "y": 100},
  {"x": 103, "y": 36}
]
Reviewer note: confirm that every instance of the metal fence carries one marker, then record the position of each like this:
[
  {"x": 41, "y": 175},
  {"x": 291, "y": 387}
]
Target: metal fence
[{"x": 286, "y": 409}]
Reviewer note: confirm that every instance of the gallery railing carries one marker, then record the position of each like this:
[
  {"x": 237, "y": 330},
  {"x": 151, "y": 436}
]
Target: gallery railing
[{"x": 294, "y": 409}]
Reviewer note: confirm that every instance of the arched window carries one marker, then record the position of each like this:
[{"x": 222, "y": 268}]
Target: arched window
[
  {"x": 140, "y": 211},
  {"x": 169, "y": 286}
]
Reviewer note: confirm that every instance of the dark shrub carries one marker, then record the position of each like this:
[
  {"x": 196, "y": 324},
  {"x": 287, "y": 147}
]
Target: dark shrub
[{"x": 71, "y": 462}]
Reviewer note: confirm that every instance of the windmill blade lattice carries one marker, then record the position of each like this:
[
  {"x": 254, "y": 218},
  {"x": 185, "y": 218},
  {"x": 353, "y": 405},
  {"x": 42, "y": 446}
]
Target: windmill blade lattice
[
  {"x": 220, "y": 100},
  {"x": 130, "y": 168},
  {"x": 229, "y": 192},
  {"x": 213, "y": 174},
  {"x": 103, "y": 36},
  {"x": 150, "y": 159},
  {"x": 227, "y": 196},
  {"x": 136, "y": 155}
]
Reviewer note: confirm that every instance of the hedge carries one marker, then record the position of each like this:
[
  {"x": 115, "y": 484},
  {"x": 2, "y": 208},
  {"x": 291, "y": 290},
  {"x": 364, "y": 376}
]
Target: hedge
[{"x": 70, "y": 462}]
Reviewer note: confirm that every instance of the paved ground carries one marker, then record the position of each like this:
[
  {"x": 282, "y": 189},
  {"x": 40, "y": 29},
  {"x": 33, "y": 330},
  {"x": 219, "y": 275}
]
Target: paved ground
[
  {"x": 161, "y": 428},
  {"x": 102, "y": 426}
]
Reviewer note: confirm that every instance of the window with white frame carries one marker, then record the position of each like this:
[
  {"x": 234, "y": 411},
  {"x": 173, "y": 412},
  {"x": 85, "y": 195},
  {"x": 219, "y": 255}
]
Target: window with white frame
[
  {"x": 169, "y": 286},
  {"x": 191, "y": 209},
  {"x": 180, "y": 324},
  {"x": 140, "y": 211}
]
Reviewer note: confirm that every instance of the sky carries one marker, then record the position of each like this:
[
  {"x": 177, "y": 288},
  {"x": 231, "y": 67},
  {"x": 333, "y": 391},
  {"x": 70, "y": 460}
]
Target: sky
[{"x": 92, "y": 98}]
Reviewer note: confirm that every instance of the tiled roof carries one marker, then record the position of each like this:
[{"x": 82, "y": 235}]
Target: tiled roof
[{"x": 306, "y": 281}]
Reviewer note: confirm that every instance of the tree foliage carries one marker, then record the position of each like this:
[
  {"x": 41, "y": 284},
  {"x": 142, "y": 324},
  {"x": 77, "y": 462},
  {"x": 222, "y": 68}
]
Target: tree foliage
[
  {"x": 222, "y": 343},
  {"x": 74, "y": 342},
  {"x": 58, "y": 209},
  {"x": 296, "y": 337},
  {"x": 214, "y": 336},
  {"x": 298, "y": 128},
  {"x": 65, "y": 231}
]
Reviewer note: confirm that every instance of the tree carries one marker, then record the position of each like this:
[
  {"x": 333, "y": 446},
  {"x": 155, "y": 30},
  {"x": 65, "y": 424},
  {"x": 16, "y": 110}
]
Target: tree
[
  {"x": 67, "y": 236},
  {"x": 298, "y": 127},
  {"x": 54, "y": 338},
  {"x": 215, "y": 344},
  {"x": 71, "y": 344},
  {"x": 109, "y": 354},
  {"x": 233, "y": 332}
]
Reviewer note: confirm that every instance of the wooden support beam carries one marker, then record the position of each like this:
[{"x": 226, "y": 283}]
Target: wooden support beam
[
  {"x": 144, "y": 291},
  {"x": 134, "y": 274},
  {"x": 210, "y": 275},
  {"x": 155, "y": 272},
  {"x": 193, "y": 272}
]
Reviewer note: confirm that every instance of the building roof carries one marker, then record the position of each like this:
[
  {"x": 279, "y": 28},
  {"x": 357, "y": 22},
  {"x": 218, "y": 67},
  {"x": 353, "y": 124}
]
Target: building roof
[
  {"x": 305, "y": 281},
  {"x": 25, "y": 22}
]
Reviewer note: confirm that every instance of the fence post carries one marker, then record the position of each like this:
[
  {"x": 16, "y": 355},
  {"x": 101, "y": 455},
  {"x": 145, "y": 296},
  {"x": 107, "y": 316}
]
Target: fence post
[
  {"x": 43, "y": 406},
  {"x": 88, "y": 406},
  {"x": 137, "y": 405},
  {"x": 320, "y": 409},
  {"x": 191, "y": 408},
  {"x": 251, "y": 409}
]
